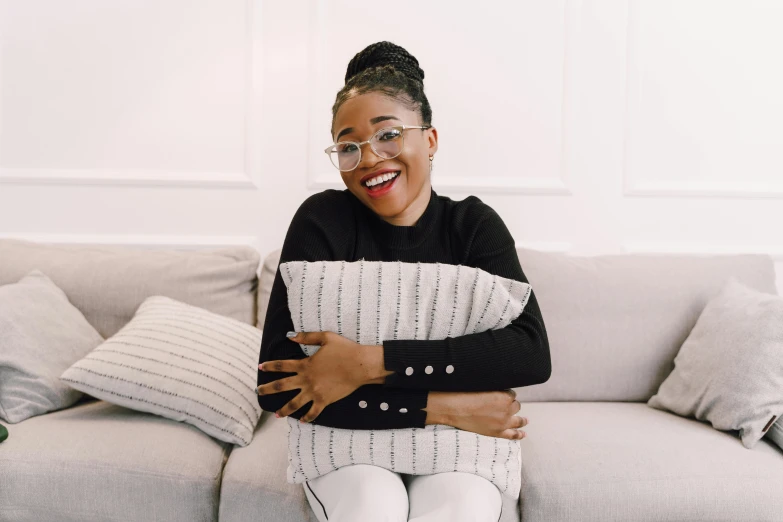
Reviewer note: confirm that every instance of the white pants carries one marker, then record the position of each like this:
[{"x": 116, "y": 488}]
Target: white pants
[{"x": 364, "y": 493}]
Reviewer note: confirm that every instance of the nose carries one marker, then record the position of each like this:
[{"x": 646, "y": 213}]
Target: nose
[{"x": 369, "y": 157}]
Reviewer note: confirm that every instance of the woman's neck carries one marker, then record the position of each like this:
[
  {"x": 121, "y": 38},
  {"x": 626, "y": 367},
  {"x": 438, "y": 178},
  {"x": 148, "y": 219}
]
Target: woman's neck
[{"x": 410, "y": 216}]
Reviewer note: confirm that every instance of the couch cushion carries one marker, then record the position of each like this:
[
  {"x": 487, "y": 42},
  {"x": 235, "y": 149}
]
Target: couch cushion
[
  {"x": 96, "y": 461},
  {"x": 615, "y": 322},
  {"x": 254, "y": 483},
  {"x": 108, "y": 283},
  {"x": 627, "y": 461},
  {"x": 255, "y": 488},
  {"x": 266, "y": 278}
]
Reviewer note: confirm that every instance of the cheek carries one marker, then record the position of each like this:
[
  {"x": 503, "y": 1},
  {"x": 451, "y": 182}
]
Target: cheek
[{"x": 417, "y": 163}]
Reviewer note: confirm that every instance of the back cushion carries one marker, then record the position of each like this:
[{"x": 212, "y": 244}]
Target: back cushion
[
  {"x": 616, "y": 322},
  {"x": 108, "y": 283},
  {"x": 266, "y": 278}
]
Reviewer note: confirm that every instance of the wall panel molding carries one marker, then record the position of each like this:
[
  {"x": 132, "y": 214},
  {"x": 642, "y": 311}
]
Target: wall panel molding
[
  {"x": 633, "y": 186},
  {"x": 318, "y": 178},
  {"x": 633, "y": 247},
  {"x": 146, "y": 241},
  {"x": 138, "y": 178},
  {"x": 703, "y": 189},
  {"x": 244, "y": 179},
  {"x": 561, "y": 247}
]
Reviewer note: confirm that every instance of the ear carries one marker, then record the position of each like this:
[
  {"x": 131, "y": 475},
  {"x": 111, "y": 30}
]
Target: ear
[{"x": 432, "y": 137}]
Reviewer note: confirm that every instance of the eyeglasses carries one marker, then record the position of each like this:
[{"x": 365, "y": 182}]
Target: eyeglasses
[{"x": 387, "y": 143}]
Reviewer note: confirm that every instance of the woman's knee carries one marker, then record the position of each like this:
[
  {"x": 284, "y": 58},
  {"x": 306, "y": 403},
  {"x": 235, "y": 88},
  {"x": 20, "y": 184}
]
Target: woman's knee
[
  {"x": 360, "y": 493},
  {"x": 453, "y": 497}
]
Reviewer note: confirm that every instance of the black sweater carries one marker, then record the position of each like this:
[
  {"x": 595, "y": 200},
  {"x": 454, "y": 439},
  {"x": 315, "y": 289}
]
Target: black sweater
[{"x": 334, "y": 225}]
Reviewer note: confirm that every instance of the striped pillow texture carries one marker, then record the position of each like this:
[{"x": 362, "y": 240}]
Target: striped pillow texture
[
  {"x": 372, "y": 301},
  {"x": 180, "y": 362}
]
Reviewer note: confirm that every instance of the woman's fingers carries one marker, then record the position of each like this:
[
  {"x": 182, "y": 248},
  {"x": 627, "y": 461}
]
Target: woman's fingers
[
  {"x": 310, "y": 338},
  {"x": 513, "y": 434},
  {"x": 280, "y": 385},
  {"x": 515, "y": 421},
  {"x": 515, "y": 407},
  {"x": 288, "y": 366},
  {"x": 293, "y": 405},
  {"x": 315, "y": 411}
]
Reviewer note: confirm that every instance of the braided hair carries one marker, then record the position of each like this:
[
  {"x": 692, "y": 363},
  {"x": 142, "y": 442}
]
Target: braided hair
[{"x": 391, "y": 70}]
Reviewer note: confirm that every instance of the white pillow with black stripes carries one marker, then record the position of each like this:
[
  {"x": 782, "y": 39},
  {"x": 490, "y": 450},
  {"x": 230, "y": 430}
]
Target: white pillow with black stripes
[{"x": 180, "y": 362}]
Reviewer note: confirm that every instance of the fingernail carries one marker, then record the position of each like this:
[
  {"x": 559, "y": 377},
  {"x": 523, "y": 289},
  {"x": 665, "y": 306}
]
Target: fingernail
[
  {"x": 261, "y": 366},
  {"x": 277, "y": 415},
  {"x": 290, "y": 334}
]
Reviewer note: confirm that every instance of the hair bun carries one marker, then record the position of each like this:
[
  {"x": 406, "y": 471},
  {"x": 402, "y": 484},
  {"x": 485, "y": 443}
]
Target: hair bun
[{"x": 385, "y": 53}]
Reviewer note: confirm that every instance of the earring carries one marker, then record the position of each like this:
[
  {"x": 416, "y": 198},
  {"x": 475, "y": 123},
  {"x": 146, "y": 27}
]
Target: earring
[{"x": 431, "y": 163}]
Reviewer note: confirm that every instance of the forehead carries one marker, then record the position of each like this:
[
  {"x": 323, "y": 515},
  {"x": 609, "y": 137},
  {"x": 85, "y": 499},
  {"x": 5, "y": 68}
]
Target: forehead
[{"x": 357, "y": 111}]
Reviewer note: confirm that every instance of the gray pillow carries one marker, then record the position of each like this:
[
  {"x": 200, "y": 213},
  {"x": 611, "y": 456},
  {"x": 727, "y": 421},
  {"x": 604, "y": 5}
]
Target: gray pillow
[
  {"x": 729, "y": 371},
  {"x": 41, "y": 334}
]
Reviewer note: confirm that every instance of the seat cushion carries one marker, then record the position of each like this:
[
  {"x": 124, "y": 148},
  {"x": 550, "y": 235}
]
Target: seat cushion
[
  {"x": 96, "y": 461},
  {"x": 254, "y": 483},
  {"x": 626, "y": 461}
]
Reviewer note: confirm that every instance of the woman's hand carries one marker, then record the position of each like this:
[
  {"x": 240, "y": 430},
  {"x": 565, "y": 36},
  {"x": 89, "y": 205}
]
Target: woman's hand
[
  {"x": 336, "y": 370},
  {"x": 487, "y": 413}
]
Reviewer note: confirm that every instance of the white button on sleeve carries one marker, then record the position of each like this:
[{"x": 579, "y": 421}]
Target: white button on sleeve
[
  {"x": 384, "y": 406},
  {"x": 409, "y": 371},
  {"x": 363, "y": 404},
  {"x": 449, "y": 369},
  {"x": 428, "y": 370},
  {"x": 403, "y": 410}
]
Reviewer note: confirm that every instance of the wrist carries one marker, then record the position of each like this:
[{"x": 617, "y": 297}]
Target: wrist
[
  {"x": 438, "y": 408},
  {"x": 374, "y": 366}
]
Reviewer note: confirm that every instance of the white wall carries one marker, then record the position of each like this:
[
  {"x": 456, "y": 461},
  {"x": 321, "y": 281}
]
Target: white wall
[{"x": 590, "y": 126}]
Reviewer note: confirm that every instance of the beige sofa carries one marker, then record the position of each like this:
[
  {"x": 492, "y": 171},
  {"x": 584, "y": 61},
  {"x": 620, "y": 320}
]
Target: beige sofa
[{"x": 594, "y": 451}]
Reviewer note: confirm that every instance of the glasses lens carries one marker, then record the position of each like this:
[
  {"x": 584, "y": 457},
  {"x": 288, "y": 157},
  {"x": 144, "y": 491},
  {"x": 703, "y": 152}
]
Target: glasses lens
[
  {"x": 345, "y": 156},
  {"x": 387, "y": 143}
]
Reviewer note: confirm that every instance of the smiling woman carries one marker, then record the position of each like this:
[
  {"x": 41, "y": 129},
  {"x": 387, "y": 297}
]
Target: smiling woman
[{"x": 383, "y": 145}]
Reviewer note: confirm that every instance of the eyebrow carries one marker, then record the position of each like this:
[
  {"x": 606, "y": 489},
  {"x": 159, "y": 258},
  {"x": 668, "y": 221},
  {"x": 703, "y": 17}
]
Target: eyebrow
[{"x": 373, "y": 121}]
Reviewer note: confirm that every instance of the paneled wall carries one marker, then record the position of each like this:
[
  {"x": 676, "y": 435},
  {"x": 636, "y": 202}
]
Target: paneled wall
[{"x": 590, "y": 126}]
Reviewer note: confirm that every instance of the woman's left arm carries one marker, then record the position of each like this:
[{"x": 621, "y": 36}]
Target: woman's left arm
[{"x": 514, "y": 356}]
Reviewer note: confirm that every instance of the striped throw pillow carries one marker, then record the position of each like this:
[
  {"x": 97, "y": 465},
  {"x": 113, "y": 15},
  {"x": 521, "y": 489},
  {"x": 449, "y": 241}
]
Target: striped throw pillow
[
  {"x": 372, "y": 301},
  {"x": 180, "y": 362}
]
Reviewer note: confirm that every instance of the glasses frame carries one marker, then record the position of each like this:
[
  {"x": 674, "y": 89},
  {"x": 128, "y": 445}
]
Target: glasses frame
[{"x": 328, "y": 150}]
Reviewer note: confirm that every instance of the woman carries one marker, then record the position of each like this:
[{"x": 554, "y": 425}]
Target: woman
[{"x": 384, "y": 148}]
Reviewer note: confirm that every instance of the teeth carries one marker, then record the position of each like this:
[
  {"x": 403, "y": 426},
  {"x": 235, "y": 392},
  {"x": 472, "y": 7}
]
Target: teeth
[{"x": 380, "y": 179}]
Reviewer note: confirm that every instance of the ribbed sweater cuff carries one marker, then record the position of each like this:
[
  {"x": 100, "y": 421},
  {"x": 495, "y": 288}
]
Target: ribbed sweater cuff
[
  {"x": 383, "y": 410},
  {"x": 417, "y": 364}
]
